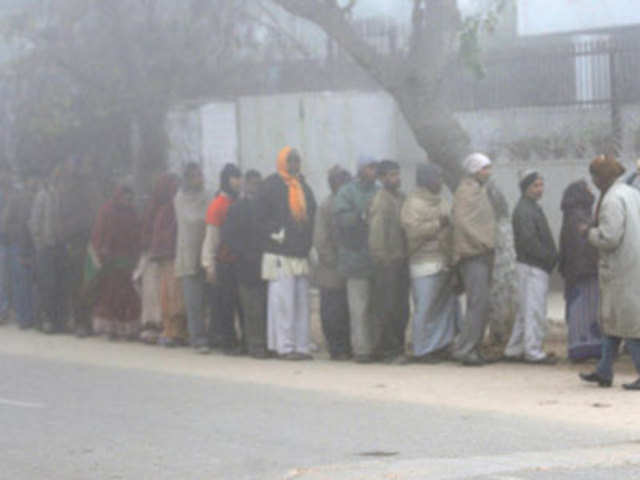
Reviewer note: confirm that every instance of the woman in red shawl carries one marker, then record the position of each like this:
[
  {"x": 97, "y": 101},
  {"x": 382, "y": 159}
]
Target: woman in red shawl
[{"x": 115, "y": 241}]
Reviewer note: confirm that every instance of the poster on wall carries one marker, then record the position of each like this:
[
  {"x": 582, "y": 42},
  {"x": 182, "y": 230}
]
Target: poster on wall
[{"x": 548, "y": 17}]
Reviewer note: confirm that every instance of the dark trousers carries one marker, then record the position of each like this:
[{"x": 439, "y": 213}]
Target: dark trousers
[
  {"x": 224, "y": 302},
  {"x": 83, "y": 297},
  {"x": 253, "y": 299},
  {"x": 610, "y": 348},
  {"x": 51, "y": 265},
  {"x": 22, "y": 286},
  {"x": 390, "y": 308},
  {"x": 334, "y": 313}
]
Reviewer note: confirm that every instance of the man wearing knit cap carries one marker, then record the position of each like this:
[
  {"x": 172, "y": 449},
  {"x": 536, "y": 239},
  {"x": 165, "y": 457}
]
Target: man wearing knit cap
[
  {"x": 473, "y": 249},
  {"x": 351, "y": 213},
  {"x": 536, "y": 258}
]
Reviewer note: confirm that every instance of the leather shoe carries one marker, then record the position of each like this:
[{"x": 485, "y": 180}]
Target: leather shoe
[
  {"x": 473, "y": 360},
  {"x": 594, "y": 377},
  {"x": 632, "y": 386}
]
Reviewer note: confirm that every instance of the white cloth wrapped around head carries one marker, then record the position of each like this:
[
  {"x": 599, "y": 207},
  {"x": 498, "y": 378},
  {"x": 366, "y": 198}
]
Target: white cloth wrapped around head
[{"x": 475, "y": 162}]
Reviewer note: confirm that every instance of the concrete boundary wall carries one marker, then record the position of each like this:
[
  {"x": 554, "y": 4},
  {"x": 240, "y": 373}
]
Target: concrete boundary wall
[{"x": 336, "y": 127}]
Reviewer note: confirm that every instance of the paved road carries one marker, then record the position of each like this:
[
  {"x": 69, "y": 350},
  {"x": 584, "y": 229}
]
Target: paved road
[{"x": 78, "y": 419}]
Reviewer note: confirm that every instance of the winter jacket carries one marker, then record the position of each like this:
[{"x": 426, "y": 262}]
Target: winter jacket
[
  {"x": 190, "y": 210},
  {"x": 274, "y": 216},
  {"x": 44, "y": 221},
  {"x": 240, "y": 233},
  {"x": 617, "y": 238},
  {"x": 387, "y": 240},
  {"x": 351, "y": 211},
  {"x": 427, "y": 239},
  {"x": 533, "y": 239},
  {"x": 16, "y": 220},
  {"x": 474, "y": 224},
  {"x": 578, "y": 260},
  {"x": 325, "y": 241}
]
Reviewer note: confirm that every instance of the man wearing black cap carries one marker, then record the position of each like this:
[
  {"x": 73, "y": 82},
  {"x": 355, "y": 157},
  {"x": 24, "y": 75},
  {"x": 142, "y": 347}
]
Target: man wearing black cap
[{"x": 537, "y": 257}]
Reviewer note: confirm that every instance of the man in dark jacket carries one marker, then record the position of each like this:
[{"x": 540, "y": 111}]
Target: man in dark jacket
[
  {"x": 537, "y": 257},
  {"x": 239, "y": 232},
  {"x": 286, "y": 213}
]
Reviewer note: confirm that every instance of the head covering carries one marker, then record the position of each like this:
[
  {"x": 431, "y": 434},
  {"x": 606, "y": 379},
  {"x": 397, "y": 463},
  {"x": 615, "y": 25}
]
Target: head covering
[
  {"x": 429, "y": 176},
  {"x": 297, "y": 199},
  {"x": 190, "y": 169},
  {"x": 476, "y": 162},
  {"x": 527, "y": 178},
  {"x": 164, "y": 189},
  {"x": 228, "y": 172},
  {"x": 386, "y": 166},
  {"x": 577, "y": 196},
  {"x": 606, "y": 167},
  {"x": 116, "y": 232},
  {"x": 337, "y": 177},
  {"x": 365, "y": 161}
]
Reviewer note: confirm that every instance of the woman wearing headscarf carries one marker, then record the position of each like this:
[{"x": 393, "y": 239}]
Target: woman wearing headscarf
[
  {"x": 217, "y": 261},
  {"x": 616, "y": 235},
  {"x": 578, "y": 264},
  {"x": 190, "y": 205},
  {"x": 286, "y": 217},
  {"x": 115, "y": 242},
  {"x": 148, "y": 273},
  {"x": 162, "y": 252},
  {"x": 425, "y": 217}
]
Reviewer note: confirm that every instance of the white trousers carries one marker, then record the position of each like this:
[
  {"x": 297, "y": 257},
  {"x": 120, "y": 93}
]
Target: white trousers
[
  {"x": 529, "y": 328},
  {"x": 288, "y": 315}
]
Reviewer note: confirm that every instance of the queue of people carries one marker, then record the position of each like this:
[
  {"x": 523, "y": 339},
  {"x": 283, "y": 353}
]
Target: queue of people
[{"x": 248, "y": 256}]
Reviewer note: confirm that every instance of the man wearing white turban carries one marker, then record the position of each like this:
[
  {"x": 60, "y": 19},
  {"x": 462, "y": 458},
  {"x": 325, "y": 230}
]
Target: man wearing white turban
[{"x": 473, "y": 248}]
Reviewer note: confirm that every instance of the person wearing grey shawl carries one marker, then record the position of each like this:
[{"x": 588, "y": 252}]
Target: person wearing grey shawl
[
  {"x": 190, "y": 205},
  {"x": 426, "y": 221}
]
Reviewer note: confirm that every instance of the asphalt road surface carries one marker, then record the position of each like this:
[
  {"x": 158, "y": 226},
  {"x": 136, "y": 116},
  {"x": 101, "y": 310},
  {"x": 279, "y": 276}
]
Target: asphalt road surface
[{"x": 74, "y": 409}]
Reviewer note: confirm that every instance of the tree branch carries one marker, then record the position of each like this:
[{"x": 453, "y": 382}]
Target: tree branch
[{"x": 332, "y": 20}]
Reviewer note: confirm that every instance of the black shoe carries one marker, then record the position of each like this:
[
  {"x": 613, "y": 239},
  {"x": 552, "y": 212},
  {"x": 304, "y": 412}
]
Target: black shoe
[
  {"x": 340, "y": 357},
  {"x": 296, "y": 357},
  {"x": 400, "y": 359},
  {"x": 472, "y": 360},
  {"x": 260, "y": 354},
  {"x": 363, "y": 359},
  {"x": 596, "y": 378},
  {"x": 234, "y": 351},
  {"x": 632, "y": 386},
  {"x": 82, "y": 331}
]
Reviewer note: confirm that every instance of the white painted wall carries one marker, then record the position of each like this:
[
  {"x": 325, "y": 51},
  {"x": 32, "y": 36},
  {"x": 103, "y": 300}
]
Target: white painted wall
[
  {"x": 327, "y": 129},
  {"x": 205, "y": 134}
]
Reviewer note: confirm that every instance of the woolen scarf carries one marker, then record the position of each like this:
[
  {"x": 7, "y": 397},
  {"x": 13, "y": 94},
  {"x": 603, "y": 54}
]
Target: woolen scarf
[{"x": 297, "y": 200}]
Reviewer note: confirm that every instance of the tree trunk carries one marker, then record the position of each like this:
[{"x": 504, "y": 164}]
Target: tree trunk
[
  {"x": 436, "y": 130},
  {"x": 149, "y": 152}
]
